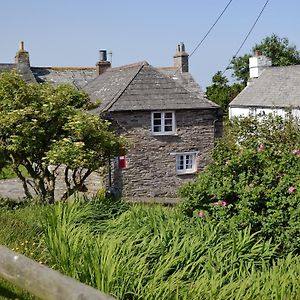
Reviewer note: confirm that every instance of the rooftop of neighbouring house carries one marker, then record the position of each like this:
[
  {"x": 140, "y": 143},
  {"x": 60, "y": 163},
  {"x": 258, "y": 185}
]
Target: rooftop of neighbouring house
[
  {"x": 137, "y": 86},
  {"x": 271, "y": 87}
]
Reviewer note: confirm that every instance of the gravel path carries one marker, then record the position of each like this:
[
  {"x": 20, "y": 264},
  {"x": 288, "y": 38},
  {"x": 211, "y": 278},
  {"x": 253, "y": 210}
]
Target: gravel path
[{"x": 11, "y": 188}]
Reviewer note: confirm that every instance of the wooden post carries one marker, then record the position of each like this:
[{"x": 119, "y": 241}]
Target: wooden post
[{"x": 42, "y": 281}]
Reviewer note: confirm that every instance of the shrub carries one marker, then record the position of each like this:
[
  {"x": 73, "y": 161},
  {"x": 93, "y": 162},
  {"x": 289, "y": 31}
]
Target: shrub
[{"x": 254, "y": 179}]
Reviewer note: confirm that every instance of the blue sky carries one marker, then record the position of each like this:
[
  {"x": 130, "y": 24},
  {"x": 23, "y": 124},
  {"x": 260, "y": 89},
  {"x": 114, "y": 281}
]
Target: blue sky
[{"x": 70, "y": 32}]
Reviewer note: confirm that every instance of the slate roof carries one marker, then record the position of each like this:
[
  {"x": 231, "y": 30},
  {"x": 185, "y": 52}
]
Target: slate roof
[
  {"x": 275, "y": 87},
  {"x": 183, "y": 78},
  {"x": 7, "y": 67},
  {"x": 24, "y": 70},
  {"x": 76, "y": 76},
  {"x": 143, "y": 87}
]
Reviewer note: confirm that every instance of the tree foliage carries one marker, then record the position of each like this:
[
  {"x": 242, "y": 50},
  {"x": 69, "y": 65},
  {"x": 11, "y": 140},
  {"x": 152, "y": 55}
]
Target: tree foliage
[
  {"x": 221, "y": 92},
  {"x": 254, "y": 179},
  {"x": 43, "y": 127},
  {"x": 276, "y": 48}
]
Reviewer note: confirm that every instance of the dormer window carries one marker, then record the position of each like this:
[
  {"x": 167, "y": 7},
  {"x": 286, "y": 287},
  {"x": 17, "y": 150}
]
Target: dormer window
[{"x": 163, "y": 122}]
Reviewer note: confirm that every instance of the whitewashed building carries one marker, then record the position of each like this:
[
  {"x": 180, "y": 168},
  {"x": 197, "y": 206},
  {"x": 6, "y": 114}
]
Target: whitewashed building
[{"x": 269, "y": 90}]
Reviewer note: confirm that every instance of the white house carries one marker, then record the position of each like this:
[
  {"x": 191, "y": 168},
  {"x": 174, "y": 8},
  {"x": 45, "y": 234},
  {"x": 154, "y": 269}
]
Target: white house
[{"x": 269, "y": 90}]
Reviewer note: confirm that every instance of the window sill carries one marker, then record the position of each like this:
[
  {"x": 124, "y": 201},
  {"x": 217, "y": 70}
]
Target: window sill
[
  {"x": 186, "y": 172},
  {"x": 164, "y": 134}
]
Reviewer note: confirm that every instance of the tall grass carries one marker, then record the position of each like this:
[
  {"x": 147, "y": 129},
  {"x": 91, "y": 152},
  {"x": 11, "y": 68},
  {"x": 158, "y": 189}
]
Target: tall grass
[
  {"x": 19, "y": 222},
  {"x": 20, "y": 230},
  {"x": 157, "y": 253}
]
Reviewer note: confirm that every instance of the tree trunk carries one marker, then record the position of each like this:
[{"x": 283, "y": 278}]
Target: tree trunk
[
  {"x": 78, "y": 183},
  {"x": 24, "y": 182}
]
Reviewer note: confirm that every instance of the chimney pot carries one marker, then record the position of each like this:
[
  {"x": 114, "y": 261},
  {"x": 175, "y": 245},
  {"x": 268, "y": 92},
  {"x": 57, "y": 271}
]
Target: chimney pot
[
  {"x": 103, "y": 55},
  {"x": 181, "y": 59},
  {"x": 103, "y": 63},
  {"x": 21, "y": 46},
  {"x": 182, "y": 47}
]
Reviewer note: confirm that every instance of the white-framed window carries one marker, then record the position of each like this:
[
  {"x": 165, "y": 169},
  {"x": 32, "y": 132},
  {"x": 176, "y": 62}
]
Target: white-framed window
[
  {"x": 186, "y": 163},
  {"x": 163, "y": 122},
  {"x": 252, "y": 111}
]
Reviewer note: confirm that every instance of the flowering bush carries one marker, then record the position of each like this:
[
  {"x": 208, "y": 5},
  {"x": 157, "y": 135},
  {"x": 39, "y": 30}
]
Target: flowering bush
[{"x": 254, "y": 179}]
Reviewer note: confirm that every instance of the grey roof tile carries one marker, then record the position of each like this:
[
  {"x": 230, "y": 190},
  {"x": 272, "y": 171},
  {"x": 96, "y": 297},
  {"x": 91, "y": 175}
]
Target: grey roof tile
[
  {"x": 78, "y": 77},
  {"x": 276, "y": 87},
  {"x": 7, "y": 67},
  {"x": 142, "y": 87},
  {"x": 23, "y": 69},
  {"x": 183, "y": 78}
]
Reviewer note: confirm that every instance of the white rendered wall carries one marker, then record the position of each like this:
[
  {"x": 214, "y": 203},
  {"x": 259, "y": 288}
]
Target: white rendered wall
[{"x": 254, "y": 111}]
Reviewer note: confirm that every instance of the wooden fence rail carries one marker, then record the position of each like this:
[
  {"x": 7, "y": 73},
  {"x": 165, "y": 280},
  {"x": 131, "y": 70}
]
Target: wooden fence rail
[{"x": 42, "y": 281}]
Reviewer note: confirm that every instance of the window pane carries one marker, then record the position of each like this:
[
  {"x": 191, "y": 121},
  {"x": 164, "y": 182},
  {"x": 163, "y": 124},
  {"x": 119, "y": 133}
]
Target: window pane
[
  {"x": 157, "y": 128},
  {"x": 157, "y": 122},
  {"x": 168, "y": 121},
  {"x": 180, "y": 162},
  {"x": 168, "y": 115},
  {"x": 168, "y": 128},
  {"x": 188, "y": 162},
  {"x": 157, "y": 115}
]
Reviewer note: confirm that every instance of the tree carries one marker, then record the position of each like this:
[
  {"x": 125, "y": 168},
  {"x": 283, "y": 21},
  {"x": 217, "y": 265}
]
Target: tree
[
  {"x": 43, "y": 128},
  {"x": 221, "y": 92},
  {"x": 277, "y": 49}
]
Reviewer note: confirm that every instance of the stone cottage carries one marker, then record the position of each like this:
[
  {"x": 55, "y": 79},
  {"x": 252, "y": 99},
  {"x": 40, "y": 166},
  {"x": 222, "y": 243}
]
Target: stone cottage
[
  {"x": 269, "y": 90},
  {"x": 171, "y": 127}
]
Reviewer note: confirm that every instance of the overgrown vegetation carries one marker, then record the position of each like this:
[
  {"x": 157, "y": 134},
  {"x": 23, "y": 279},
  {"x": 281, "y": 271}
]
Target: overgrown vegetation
[
  {"x": 235, "y": 236},
  {"x": 141, "y": 252},
  {"x": 253, "y": 180},
  {"x": 21, "y": 231},
  {"x": 159, "y": 253}
]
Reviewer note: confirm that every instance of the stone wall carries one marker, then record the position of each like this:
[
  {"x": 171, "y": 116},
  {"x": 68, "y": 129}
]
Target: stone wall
[
  {"x": 13, "y": 188},
  {"x": 151, "y": 159}
]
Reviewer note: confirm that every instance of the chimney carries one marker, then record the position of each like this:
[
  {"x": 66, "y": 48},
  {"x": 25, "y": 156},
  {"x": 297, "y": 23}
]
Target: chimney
[
  {"x": 22, "y": 56},
  {"x": 181, "y": 59},
  {"x": 258, "y": 63},
  {"x": 103, "y": 63}
]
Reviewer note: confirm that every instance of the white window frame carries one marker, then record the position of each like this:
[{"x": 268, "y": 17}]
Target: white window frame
[
  {"x": 163, "y": 125},
  {"x": 186, "y": 169},
  {"x": 252, "y": 111}
]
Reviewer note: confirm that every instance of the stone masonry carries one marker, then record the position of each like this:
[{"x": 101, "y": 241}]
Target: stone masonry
[{"x": 151, "y": 159}]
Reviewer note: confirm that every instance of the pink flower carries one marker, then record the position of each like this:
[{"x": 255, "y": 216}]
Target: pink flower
[
  {"x": 224, "y": 203},
  {"x": 291, "y": 189},
  {"x": 221, "y": 203},
  {"x": 261, "y": 147},
  {"x": 200, "y": 214},
  {"x": 296, "y": 151}
]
